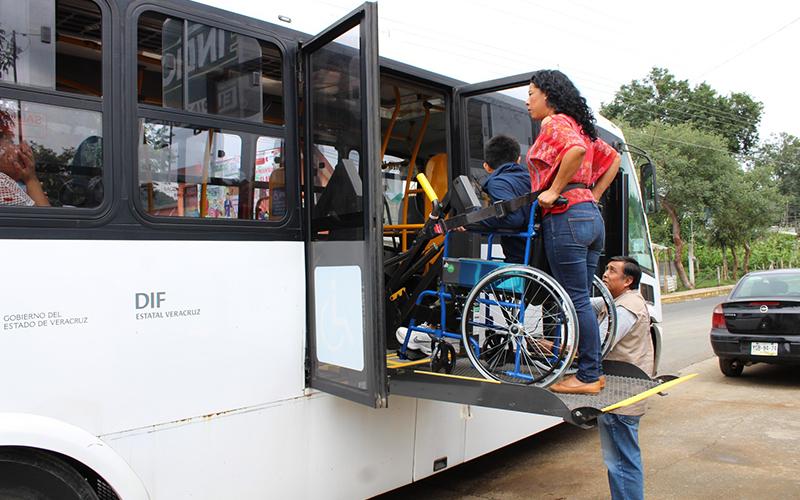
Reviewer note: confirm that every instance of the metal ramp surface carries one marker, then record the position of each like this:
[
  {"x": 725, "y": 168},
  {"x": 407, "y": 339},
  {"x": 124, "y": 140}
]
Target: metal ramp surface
[{"x": 625, "y": 384}]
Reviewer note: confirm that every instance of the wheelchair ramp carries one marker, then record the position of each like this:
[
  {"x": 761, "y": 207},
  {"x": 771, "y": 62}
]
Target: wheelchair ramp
[{"x": 625, "y": 384}]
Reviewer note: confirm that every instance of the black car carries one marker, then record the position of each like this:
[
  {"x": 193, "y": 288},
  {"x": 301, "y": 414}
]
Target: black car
[{"x": 759, "y": 322}]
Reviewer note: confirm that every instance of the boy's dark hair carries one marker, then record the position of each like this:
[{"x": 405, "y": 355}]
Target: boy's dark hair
[
  {"x": 631, "y": 268},
  {"x": 500, "y": 149}
]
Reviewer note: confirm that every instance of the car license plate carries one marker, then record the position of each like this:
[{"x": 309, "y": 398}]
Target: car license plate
[{"x": 764, "y": 348}]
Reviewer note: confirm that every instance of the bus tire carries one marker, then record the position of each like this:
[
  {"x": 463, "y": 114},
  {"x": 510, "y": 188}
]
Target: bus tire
[{"x": 28, "y": 473}]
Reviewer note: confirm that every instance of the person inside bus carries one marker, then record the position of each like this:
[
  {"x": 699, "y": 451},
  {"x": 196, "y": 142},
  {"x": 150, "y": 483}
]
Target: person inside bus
[
  {"x": 507, "y": 180},
  {"x": 619, "y": 429},
  {"x": 17, "y": 167},
  {"x": 565, "y": 159}
]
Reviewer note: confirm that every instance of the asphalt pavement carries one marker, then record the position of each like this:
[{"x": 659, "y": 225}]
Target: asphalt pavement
[
  {"x": 712, "y": 437},
  {"x": 685, "y": 333}
]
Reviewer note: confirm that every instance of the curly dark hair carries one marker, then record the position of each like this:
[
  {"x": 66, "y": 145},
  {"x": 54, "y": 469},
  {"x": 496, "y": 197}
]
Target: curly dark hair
[{"x": 563, "y": 96}]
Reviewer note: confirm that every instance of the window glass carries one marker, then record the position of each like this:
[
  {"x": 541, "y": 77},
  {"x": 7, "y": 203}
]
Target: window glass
[
  {"x": 768, "y": 285},
  {"x": 186, "y": 171},
  {"x": 50, "y": 155},
  {"x": 513, "y": 120},
  {"x": 335, "y": 80},
  {"x": 493, "y": 114},
  {"x": 218, "y": 72},
  {"x": 55, "y": 45},
  {"x": 394, "y": 173},
  {"x": 477, "y": 127},
  {"x": 638, "y": 240},
  {"x": 270, "y": 184}
]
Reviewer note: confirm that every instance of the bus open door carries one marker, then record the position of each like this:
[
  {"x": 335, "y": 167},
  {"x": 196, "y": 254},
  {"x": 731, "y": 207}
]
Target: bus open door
[{"x": 342, "y": 197}]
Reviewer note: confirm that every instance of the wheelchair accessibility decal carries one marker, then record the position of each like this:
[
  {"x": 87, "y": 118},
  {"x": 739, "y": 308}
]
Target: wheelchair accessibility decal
[{"x": 339, "y": 316}]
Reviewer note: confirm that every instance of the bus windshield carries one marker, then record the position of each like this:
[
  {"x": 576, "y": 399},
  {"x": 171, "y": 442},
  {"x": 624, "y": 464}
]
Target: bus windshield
[{"x": 638, "y": 239}]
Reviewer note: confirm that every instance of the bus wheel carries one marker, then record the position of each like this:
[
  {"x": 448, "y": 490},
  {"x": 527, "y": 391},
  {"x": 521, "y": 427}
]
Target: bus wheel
[{"x": 30, "y": 474}]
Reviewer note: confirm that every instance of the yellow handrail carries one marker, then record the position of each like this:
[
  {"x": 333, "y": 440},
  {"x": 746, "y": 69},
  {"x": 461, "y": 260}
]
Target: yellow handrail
[
  {"x": 411, "y": 166},
  {"x": 389, "y": 129},
  {"x": 426, "y": 186}
]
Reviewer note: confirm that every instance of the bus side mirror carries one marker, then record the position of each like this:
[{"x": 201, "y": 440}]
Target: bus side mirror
[{"x": 647, "y": 182}]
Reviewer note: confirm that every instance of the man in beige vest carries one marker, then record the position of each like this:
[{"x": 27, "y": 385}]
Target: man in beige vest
[{"x": 619, "y": 430}]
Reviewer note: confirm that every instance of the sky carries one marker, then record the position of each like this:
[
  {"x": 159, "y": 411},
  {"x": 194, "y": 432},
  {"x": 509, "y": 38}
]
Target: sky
[{"x": 734, "y": 46}]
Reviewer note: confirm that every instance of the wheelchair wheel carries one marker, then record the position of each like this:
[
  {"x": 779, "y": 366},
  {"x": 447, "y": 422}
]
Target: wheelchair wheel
[
  {"x": 519, "y": 327},
  {"x": 607, "y": 320},
  {"x": 443, "y": 357}
]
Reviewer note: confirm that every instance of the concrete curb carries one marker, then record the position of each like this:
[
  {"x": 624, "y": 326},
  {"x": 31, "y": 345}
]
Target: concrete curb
[{"x": 671, "y": 298}]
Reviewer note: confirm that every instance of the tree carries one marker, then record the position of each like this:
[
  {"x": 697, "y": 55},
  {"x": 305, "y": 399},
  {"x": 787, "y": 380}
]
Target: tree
[
  {"x": 780, "y": 156},
  {"x": 660, "y": 97},
  {"x": 762, "y": 205},
  {"x": 725, "y": 224},
  {"x": 690, "y": 164}
]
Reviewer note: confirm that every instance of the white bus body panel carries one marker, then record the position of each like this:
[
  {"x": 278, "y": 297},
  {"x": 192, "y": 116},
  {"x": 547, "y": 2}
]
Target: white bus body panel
[
  {"x": 317, "y": 446},
  {"x": 240, "y": 344},
  {"x": 440, "y": 430},
  {"x": 489, "y": 429}
]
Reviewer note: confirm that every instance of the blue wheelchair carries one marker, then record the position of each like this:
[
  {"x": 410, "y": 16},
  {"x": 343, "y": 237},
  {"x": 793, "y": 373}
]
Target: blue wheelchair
[{"x": 517, "y": 324}]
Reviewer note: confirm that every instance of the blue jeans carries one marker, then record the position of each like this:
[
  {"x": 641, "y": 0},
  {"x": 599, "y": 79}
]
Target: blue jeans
[
  {"x": 619, "y": 439},
  {"x": 573, "y": 241}
]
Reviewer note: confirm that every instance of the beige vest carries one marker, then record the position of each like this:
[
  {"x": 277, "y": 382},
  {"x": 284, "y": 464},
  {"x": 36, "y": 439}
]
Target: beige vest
[{"x": 636, "y": 347}]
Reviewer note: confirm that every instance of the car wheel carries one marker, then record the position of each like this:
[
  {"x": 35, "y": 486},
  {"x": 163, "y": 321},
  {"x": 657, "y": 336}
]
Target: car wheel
[{"x": 731, "y": 367}]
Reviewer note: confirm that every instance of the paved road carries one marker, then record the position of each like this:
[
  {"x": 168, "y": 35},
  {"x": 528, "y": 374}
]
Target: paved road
[{"x": 686, "y": 326}]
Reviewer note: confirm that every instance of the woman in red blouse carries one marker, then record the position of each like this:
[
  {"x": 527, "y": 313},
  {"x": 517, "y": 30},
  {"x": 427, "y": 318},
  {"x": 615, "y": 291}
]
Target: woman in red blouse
[{"x": 569, "y": 160}]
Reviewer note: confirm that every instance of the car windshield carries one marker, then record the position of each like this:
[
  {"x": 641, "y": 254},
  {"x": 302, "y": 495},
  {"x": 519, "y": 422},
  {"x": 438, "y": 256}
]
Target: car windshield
[{"x": 770, "y": 285}]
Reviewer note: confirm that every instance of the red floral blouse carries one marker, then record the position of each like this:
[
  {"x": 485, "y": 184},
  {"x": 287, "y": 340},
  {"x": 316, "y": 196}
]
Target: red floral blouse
[{"x": 560, "y": 134}]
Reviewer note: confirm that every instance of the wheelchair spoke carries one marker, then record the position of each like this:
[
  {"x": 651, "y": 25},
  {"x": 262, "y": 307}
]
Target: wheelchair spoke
[{"x": 524, "y": 324}]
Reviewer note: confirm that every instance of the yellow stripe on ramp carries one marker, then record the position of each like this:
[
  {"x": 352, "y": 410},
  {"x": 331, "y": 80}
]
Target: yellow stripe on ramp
[
  {"x": 459, "y": 377},
  {"x": 646, "y": 394},
  {"x": 402, "y": 364}
]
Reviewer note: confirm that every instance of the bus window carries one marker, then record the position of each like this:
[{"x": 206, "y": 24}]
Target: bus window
[
  {"x": 335, "y": 81},
  {"x": 270, "y": 182},
  {"x": 638, "y": 241},
  {"x": 51, "y": 156},
  {"x": 477, "y": 129},
  {"x": 60, "y": 147},
  {"x": 186, "y": 171},
  {"x": 55, "y": 45},
  {"x": 219, "y": 72},
  {"x": 493, "y": 114}
]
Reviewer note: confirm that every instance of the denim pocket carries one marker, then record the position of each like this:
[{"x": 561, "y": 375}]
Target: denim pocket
[
  {"x": 628, "y": 419},
  {"x": 582, "y": 229}
]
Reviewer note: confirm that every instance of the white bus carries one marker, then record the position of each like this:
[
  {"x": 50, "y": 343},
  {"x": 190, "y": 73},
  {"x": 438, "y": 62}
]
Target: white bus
[{"x": 178, "y": 319}]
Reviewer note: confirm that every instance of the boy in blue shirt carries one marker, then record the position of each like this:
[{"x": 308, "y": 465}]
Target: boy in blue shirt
[{"x": 507, "y": 180}]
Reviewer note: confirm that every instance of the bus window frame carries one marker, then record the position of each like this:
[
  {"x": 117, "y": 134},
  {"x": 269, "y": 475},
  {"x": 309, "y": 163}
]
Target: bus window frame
[
  {"x": 74, "y": 216},
  {"x": 288, "y": 132}
]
